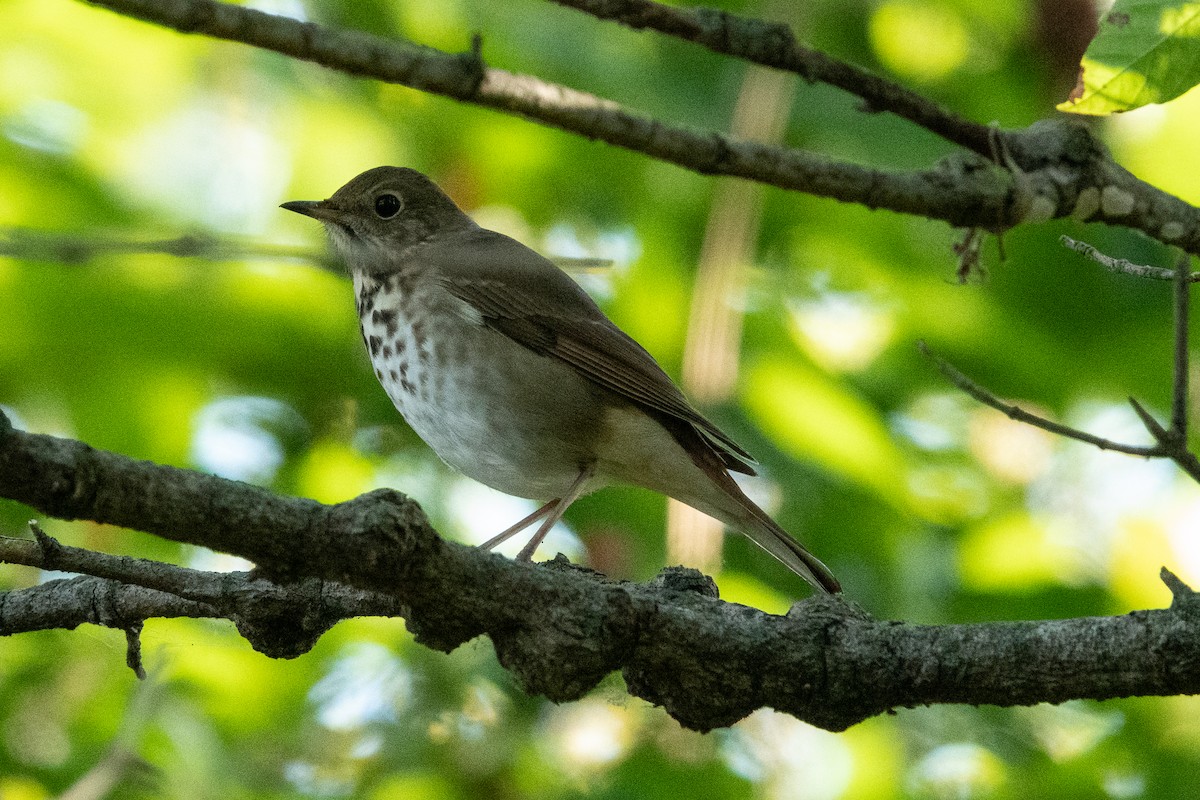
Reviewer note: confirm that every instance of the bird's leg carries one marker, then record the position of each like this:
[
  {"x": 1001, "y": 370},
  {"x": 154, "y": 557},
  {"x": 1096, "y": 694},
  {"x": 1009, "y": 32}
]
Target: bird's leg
[
  {"x": 510, "y": 532},
  {"x": 564, "y": 502}
]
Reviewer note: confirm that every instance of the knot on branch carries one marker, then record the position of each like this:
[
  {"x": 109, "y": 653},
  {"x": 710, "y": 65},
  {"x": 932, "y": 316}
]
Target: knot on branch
[
  {"x": 1057, "y": 165},
  {"x": 834, "y": 608},
  {"x": 392, "y": 540},
  {"x": 685, "y": 579},
  {"x": 562, "y": 653},
  {"x": 688, "y": 663},
  {"x": 284, "y": 624},
  {"x": 1054, "y": 141}
]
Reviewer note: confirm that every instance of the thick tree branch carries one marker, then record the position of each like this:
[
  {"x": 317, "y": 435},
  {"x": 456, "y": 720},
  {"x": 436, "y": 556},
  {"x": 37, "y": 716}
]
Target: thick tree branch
[
  {"x": 1060, "y": 169},
  {"x": 560, "y": 629}
]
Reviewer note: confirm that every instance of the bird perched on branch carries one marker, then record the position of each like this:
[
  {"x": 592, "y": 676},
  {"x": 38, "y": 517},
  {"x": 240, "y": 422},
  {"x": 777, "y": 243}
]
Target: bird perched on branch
[{"x": 513, "y": 375}]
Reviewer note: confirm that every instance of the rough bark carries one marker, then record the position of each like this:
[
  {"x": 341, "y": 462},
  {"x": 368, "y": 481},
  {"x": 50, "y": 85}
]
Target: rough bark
[{"x": 558, "y": 628}]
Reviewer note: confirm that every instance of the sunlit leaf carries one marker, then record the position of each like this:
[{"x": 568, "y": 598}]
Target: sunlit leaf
[{"x": 1146, "y": 51}]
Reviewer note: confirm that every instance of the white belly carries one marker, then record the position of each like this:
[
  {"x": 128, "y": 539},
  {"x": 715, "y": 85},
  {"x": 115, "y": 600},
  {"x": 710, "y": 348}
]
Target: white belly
[{"x": 488, "y": 407}]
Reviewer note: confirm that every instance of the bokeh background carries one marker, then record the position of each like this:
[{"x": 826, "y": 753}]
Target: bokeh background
[{"x": 792, "y": 320}]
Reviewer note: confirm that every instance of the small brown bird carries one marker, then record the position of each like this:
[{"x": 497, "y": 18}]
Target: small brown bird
[{"x": 513, "y": 375}]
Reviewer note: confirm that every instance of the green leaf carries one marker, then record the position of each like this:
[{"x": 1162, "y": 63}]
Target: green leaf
[{"x": 1146, "y": 51}]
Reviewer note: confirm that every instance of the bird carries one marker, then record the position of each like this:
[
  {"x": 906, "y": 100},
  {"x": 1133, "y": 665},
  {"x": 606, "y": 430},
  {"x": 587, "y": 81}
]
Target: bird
[{"x": 513, "y": 375}]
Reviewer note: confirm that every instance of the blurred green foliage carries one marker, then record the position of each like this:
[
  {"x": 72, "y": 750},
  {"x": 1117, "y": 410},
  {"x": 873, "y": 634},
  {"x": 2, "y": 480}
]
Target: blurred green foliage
[{"x": 928, "y": 507}]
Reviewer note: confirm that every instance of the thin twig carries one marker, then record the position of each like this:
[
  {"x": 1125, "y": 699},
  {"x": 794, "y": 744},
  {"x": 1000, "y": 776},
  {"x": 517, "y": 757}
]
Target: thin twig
[
  {"x": 1122, "y": 266},
  {"x": 1170, "y": 444},
  {"x": 1179, "y": 396},
  {"x": 259, "y": 607},
  {"x": 80, "y": 248},
  {"x": 1173, "y": 441},
  {"x": 1021, "y": 415},
  {"x": 968, "y": 251}
]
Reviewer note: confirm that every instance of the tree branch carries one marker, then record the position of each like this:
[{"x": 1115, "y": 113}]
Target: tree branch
[
  {"x": 1063, "y": 170},
  {"x": 281, "y": 621},
  {"x": 1170, "y": 442},
  {"x": 1173, "y": 441},
  {"x": 707, "y": 662},
  {"x": 80, "y": 248},
  {"x": 773, "y": 44},
  {"x": 1011, "y": 411},
  {"x": 1121, "y": 265},
  {"x": 1179, "y": 393}
]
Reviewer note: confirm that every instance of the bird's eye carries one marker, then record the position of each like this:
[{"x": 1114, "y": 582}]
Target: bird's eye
[{"x": 387, "y": 205}]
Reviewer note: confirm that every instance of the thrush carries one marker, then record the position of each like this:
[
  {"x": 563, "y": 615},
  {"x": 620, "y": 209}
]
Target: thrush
[{"x": 515, "y": 377}]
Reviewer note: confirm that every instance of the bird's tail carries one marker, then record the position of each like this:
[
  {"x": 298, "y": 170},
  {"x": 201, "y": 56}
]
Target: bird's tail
[
  {"x": 706, "y": 485},
  {"x": 739, "y": 511},
  {"x": 767, "y": 534}
]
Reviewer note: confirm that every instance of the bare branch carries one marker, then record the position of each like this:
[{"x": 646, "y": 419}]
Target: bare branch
[
  {"x": 466, "y": 78},
  {"x": 1021, "y": 415},
  {"x": 1170, "y": 444},
  {"x": 282, "y": 621},
  {"x": 79, "y": 248},
  {"x": 67, "y": 603},
  {"x": 1120, "y": 265},
  {"x": 1179, "y": 394},
  {"x": 773, "y": 44},
  {"x": 1064, "y": 170}
]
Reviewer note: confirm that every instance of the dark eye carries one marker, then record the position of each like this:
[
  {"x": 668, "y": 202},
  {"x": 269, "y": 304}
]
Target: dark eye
[{"x": 387, "y": 205}]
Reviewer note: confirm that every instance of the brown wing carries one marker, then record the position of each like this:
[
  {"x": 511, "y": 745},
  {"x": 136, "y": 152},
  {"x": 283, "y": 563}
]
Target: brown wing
[{"x": 561, "y": 321}]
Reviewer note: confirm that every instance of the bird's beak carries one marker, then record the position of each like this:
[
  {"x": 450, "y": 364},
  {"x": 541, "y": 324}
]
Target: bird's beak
[{"x": 320, "y": 210}]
